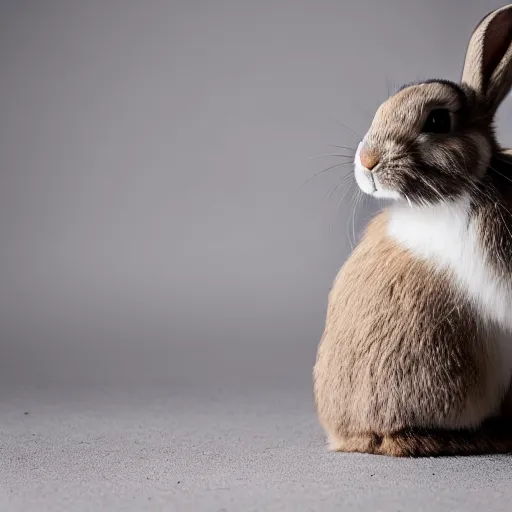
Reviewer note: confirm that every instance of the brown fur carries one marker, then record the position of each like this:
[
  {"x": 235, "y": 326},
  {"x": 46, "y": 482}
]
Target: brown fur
[
  {"x": 493, "y": 437},
  {"x": 400, "y": 351},
  {"x": 493, "y": 209}
]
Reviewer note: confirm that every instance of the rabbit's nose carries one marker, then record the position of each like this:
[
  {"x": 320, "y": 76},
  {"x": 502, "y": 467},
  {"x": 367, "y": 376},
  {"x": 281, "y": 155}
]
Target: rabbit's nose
[{"x": 369, "y": 158}]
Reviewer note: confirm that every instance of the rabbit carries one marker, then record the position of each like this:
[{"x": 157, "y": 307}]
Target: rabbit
[{"x": 416, "y": 354}]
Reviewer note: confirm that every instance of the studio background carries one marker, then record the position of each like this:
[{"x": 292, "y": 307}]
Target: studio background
[{"x": 155, "y": 227}]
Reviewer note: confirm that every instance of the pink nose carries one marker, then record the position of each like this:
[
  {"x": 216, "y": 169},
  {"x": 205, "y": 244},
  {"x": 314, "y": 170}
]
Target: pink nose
[{"x": 369, "y": 158}]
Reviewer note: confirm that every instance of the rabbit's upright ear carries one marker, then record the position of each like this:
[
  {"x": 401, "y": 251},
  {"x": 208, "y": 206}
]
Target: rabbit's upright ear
[{"x": 488, "y": 65}]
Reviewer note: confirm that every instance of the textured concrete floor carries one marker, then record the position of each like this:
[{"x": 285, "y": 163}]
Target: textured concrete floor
[{"x": 159, "y": 450}]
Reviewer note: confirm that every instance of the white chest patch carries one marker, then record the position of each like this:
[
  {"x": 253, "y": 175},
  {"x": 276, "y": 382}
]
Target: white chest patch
[{"x": 446, "y": 236}]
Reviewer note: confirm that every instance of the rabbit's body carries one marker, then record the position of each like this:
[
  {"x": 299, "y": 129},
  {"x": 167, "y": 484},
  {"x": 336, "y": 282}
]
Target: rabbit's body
[
  {"x": 416, "y": 354},
  {"x": 418, "y": 331}
]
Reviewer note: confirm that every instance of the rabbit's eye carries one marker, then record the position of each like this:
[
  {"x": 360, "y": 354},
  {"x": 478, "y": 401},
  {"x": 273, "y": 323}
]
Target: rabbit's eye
[{"x": 438, "y": 121}]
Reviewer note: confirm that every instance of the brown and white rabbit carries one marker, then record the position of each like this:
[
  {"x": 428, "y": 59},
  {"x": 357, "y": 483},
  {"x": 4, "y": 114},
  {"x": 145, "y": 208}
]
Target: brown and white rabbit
[{"x": 416, "y": 355}]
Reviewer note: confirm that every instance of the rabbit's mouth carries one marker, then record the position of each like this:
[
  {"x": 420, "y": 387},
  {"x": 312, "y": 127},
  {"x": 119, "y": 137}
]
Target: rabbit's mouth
[{"x": 368, "y": 181}]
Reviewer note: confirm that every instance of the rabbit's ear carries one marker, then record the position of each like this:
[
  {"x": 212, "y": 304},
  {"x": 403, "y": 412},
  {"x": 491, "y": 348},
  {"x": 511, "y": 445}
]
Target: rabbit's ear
[{"x": 488, "y": 65}]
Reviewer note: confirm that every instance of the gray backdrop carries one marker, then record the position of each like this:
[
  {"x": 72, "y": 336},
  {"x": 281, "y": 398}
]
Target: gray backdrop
[{"x": 153, "y": 222}]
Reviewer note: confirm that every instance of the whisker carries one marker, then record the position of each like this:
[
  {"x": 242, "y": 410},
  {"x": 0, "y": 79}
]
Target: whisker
[
  {"x": 341, "y": 147},
  {"x": 345, "y": 193},
  {"x": 425, "y": 180},
  {"x": 408, "y": 200},
  {"x": 360, "y": 197},
  {"x": 325, "y": 170},
  {"x": 351, "y": 219},
  {"x": 502, "y": 175},
  {"x": 348, "y": 128},
  {"x": 332, "y": 190},
  {"x": 340, "y": 182},
  {"x": 505, "y": 223},
  {"x": 346, "y": 190},
  {"x": 331, "y": 154}
]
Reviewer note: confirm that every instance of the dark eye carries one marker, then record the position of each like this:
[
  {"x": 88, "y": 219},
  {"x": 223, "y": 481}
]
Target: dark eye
[{"x": 438, "y": 121}]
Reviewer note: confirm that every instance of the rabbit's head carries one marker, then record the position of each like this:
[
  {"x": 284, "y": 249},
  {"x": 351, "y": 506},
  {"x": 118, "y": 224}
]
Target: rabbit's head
[{"x": 433, "y": 141}]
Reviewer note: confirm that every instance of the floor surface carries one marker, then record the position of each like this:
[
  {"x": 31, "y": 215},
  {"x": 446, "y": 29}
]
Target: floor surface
[{"x": 155, "y": 450}]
